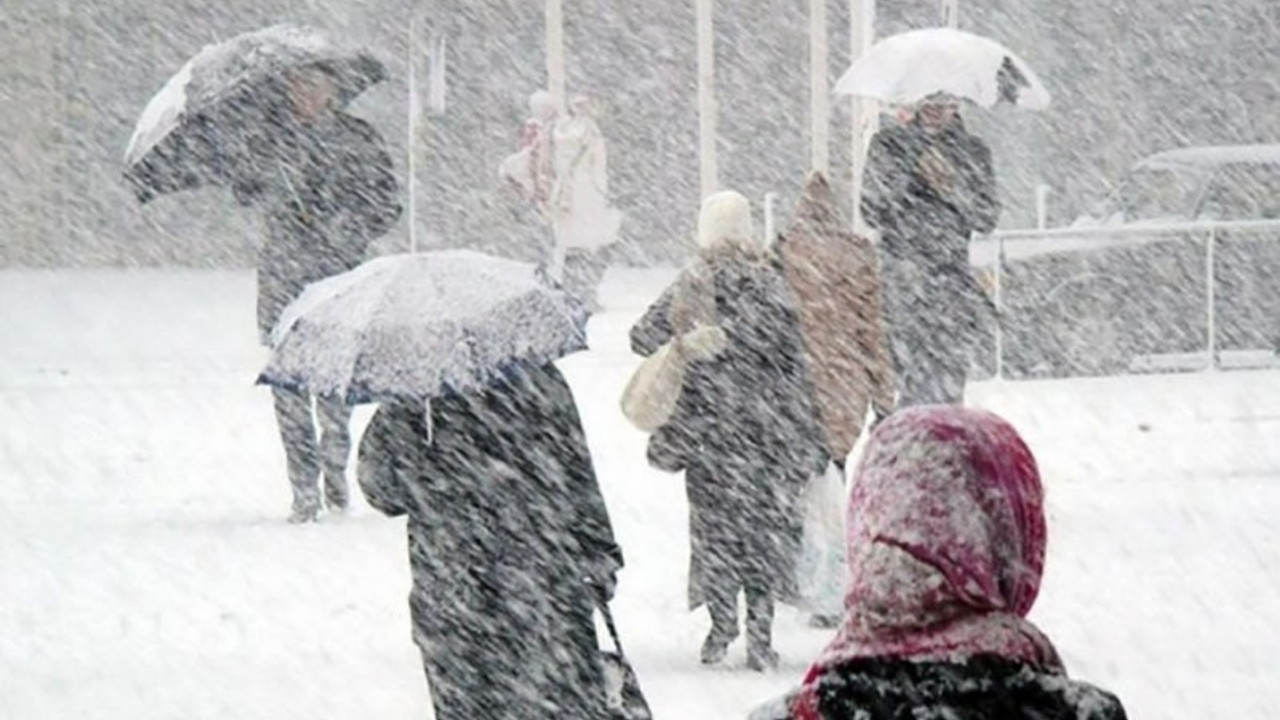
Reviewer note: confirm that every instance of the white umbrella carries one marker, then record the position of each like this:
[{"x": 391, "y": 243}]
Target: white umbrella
[
  {"x": 908, "y": 67},
  {"x": 420, "y": 326}
]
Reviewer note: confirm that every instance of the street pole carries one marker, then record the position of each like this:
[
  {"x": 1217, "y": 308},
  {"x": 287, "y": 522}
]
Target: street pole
[
  {"x": 950, "y": 13},
  {"x": 555, "y": 53},
  {"x": 864, "y": 111},
  {"x": 411, "y": 135},
  {"x": 707, "y": 170},
  {"x": 819, "y": 88}
]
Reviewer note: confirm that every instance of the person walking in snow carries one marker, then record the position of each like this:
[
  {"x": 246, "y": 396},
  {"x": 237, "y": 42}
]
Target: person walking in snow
[
  {"x": 584, "y": 223},
  {"x": 324, "y": 181},
  {"x": 946, "y": 544},
  {"x": 562, "y": 168},
  {"x": 832, "y": 273},
  {"x": 510, "y": 545},
  {"x": 743, "y": 430},
  {"x": 929, "y": 185}
]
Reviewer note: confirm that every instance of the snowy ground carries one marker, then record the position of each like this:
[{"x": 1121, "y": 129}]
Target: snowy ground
[{"x": 146, "y": 571}]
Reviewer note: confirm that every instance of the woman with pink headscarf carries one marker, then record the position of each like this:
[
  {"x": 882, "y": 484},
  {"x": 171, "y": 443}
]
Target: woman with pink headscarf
[{"x": 946, "y": 545}]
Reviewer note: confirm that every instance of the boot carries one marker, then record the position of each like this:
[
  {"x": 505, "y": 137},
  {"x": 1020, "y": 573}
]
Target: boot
[
  {"x": 306, "y": 509},
  {"x": 716, "y": 646},
  {"x": 724, "y": 629}
]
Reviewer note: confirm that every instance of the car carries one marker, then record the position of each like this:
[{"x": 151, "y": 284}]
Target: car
[{"x": 1178, "y": 267}]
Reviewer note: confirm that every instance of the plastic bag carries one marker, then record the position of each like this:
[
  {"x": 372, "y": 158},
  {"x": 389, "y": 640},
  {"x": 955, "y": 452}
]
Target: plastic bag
[{"x": 821, "y": 573}]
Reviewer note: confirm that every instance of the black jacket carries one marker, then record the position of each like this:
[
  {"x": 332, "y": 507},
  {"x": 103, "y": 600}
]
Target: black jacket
[
  {"x": 981, "y": 688},
  {"x": 505, "y": 522},
  {"x": 919, "y": 222},
  {"x": 327, "y": 190}
]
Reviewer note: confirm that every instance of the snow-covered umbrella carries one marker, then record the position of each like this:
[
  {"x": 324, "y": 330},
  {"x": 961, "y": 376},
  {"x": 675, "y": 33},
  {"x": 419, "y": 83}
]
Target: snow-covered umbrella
[
  {"x": 911, "y": 66},
  {"x": 203, "y": 121},
  {"x": 419, "y": 326}
]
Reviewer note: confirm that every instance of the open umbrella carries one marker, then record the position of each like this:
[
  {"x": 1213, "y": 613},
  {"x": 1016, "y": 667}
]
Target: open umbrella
[
  {"x": 204, "y": 120},
  {"x": 911, "y": 66},
  {"x": 419, "y": 326}
]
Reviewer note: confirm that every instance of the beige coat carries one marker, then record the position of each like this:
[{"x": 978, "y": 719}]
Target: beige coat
[{"x": 832, "y": 273}]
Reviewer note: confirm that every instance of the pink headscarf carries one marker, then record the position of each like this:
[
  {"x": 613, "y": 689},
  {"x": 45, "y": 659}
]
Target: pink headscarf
[{"x": 946, "y": 545}]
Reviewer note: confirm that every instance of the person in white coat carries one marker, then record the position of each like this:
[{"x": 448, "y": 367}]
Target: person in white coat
[{"x": 578, "y": 207}]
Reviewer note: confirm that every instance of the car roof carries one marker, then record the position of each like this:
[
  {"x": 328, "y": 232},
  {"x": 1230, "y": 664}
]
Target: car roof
[{"x": 1208, "y": 156}]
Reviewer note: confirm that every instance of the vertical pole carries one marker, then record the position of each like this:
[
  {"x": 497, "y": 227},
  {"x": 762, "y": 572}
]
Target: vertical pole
[
  {"x": 708, "y": 171},
  {"x": 555, "y": 53},
  {"x": 770, "y": 219},
  {"x": 819, "y": 88},
  {"x": 556, "y": 86},
  {"x": 862, "y": 19},
  {"x": 1211, "y": 299},
  {"x": 950, "y": 13},
  {"x": 998, "y": 282},
  {"x": 411, "y": 132},
  {"x": 1042, "y": 205}
]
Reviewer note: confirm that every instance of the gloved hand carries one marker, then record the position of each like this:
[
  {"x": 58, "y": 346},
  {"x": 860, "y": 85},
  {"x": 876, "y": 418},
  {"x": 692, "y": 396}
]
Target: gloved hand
[{"x": 601, "y": 575}]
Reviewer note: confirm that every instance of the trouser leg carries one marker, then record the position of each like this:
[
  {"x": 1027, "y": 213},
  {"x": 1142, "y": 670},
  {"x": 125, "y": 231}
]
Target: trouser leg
[
  {"x": 335, "y": 447},
  {"x": 722, "y": 604},
  {"x": 297, "y": 433},
  {"x": 760, "y": 608}
]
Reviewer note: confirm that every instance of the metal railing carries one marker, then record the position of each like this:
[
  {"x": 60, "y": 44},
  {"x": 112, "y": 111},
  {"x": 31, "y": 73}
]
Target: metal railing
[{"x": 1001, "y": 241}]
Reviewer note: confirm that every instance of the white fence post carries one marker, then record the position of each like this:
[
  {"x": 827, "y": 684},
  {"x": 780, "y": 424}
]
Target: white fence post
[
  {"x": 998, "y": 293},
  {"x": 1211, "y": 298},
  {"x": 708, "y": 173},
  {"x": 770, "y": 226},
  {"x": 819, "y": 88},
  {"x": 864, "y": 112},
  {"x": 554, "y": 33}
]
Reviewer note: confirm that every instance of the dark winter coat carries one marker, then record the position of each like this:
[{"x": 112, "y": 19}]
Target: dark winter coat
[
  {"x": 505, "y": 521},
  {"x": 327, "y": 190},
  {"x": 934, "y": 308},
  {"x": 745, "y": 431},
  {"x": 982, "y": 688}
]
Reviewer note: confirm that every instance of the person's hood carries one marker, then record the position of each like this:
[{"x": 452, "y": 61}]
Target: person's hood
[
  {"x": 817, "y": 207},
  {"x": 724, "y": 224}
]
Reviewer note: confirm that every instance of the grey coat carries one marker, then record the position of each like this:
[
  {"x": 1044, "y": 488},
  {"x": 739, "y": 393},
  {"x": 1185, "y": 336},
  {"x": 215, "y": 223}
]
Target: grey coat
[
  {"x": 746, "y": 432},
  {"x": 505, "y": 520},
  {"x": 327, "y": 190}
]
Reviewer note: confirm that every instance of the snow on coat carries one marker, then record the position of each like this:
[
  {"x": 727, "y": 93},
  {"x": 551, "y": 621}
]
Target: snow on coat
[
  {"x": 927, "y": 193},
  {"x": 744, "y": 430},
  {"x": 328, "y": 191},
  {"x": 832, "y": 273},
  {"x": 505, "y": 520}
]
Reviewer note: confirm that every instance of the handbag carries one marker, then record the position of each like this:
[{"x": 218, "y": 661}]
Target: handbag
[
  {"x": 624, "y": 699},
  {"x": 652, "y": 393}
]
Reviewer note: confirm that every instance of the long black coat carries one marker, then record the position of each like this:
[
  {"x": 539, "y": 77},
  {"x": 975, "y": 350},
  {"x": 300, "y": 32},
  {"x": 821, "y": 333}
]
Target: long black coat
[
  {"x": 933, "y": 306},
  {"x": 982, "y": 688},
  {"x": 327, "y": 190},
  {"x": 745, "y": 431},
  {"x": 505, "y": 519}
]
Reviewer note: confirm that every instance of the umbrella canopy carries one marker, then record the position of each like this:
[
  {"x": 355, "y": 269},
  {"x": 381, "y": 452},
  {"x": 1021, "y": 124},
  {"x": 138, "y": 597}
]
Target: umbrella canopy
[
  {"x": 205, "y": 117},
  {"x": 911, "y": 66},
  {"x": 420, "y": 326}
]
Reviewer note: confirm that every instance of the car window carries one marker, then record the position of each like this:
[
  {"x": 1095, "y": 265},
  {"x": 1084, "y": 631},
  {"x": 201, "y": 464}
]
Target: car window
[
  {"x": 1243, "y": 192},
  {"x": 1159, "y": 193}
]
